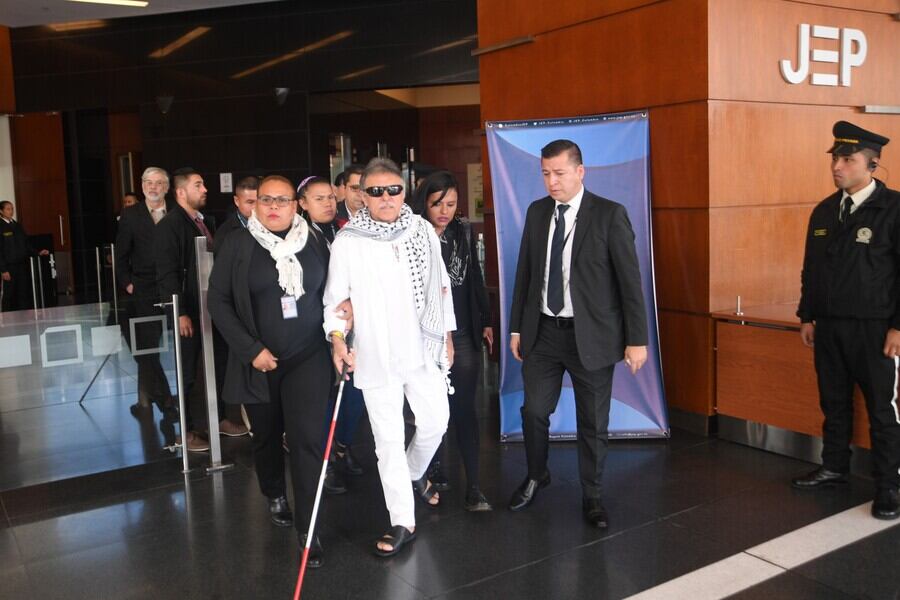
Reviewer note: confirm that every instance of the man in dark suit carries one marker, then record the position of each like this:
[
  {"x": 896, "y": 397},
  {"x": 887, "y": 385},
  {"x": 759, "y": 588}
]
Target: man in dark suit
[
  {"x": 176, "y": 273},
  {"x": 136, "y": 273},
  {"x": 354, "y": 196},
  {"x": 14, "y": 269},
  {"x": 244, "y": 201},
  {"x": 577, "y": 307}
]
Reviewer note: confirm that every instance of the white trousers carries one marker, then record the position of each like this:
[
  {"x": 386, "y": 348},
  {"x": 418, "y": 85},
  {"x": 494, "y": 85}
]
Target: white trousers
[{"x": 426, "y": 392}]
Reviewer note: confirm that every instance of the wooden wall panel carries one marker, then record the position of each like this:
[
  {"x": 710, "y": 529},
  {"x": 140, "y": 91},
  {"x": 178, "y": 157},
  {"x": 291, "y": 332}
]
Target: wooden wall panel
[
  {"x": 515, "y": 18},
  {"x": 747, "y": 40},
  {"x": 40, "y": 175},
  {"x": 681, "y": 259},
  {"x": 787, "y": 396},
  {"x": 679, "y": 156},
  {"x": 7, "y": 89},
  {"x": 448, "y": 139},
  {"x": 765, "y": 154},
  {"x": 756, "y": 252},
  {"x": 627, "y": 61},
  {"x": 686, "y": 345}
]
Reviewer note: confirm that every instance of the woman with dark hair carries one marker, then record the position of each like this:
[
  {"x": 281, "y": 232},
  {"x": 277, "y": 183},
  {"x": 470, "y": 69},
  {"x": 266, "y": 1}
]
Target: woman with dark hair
[
  {"x": 265, "y": 297},
  {"x": 319, "y": 208},
  {"x": 436, "y": 199}
]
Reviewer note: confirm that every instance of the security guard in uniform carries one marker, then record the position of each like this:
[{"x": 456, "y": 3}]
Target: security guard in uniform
[{"x": 850, "y": 313}]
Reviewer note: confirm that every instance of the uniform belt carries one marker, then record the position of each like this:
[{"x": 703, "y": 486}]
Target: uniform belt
[{"x": 559, "y": 322}]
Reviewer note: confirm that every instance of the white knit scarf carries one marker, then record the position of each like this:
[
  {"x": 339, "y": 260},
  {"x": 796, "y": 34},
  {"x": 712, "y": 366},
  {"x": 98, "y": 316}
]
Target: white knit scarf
[
  {"x": 423, "y": 260},
  {"x": 284, "y": 252}
]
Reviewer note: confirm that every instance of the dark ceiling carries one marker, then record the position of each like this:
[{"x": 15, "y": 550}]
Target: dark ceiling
[{"x": 314, "y": 46}]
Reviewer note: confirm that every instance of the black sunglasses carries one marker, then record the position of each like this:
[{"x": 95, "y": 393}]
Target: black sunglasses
[{"x": 378, "y": 190}]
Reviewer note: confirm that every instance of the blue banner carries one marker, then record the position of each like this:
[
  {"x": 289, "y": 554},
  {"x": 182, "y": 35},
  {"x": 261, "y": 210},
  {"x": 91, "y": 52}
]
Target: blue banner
[{"x": 616, "y": 153}]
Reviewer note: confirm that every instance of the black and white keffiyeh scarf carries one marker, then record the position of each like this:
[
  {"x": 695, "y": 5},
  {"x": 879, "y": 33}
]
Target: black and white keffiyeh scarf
[
  {"x": 410, "y": 232},
  {"x": 284, "y": 252}
]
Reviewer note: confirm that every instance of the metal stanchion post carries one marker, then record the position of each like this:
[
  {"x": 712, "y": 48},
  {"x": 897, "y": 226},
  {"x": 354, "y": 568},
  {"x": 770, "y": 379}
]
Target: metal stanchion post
[
  {"x": 41, "y": 281},
  {"x": 33, "y": 289},
  {"x": 99, "y": 282},
  {"x": 182, "y": 401},
  {"x": 115, "y": 290},
  {"x": 204, "y": 267}
]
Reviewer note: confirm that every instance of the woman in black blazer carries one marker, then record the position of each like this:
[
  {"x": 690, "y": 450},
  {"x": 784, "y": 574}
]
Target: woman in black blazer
[
  {"x": 265, "y": 297},
  {"x": 436, "y": 200}
]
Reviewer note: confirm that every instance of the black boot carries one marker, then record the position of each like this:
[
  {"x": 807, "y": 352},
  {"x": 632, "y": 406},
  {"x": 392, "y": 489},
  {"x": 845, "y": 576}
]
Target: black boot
[
  {"x": 437, "y": 477},
  {"x": 316, "y": 556},
  {"x": 344, "y": 459},
  {"x": 334, "y": 483}
]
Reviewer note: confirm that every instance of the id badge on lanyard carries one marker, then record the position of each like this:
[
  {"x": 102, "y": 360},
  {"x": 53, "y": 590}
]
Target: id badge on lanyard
[{"x": 288, "y": 307}]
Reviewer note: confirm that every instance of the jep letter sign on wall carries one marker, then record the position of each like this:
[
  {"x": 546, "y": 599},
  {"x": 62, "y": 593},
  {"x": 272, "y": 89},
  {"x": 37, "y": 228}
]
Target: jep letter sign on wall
[{"x": 852, "y": 54}]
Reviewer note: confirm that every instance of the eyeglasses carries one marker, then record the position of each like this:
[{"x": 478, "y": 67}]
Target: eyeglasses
[
  {"x": 160, "y": 183},
  {"x": 378, "y": 190},
  {"x": 281, "y": 201}
]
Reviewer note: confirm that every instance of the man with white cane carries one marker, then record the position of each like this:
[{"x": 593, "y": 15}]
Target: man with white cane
[{"x": 387, "y": 261}]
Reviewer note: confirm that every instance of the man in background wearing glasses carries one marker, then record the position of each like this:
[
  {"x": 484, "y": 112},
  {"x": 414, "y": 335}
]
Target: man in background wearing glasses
[{"x": 387, "y": 261}]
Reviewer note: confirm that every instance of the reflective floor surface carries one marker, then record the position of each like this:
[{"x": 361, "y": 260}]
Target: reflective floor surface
[
  {"x": 675, "y": 506},
  {"x": 67, "y": 384}
]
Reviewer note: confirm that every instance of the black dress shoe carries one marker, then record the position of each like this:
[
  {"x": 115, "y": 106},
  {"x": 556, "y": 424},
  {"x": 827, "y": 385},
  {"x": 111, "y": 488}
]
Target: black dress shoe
[
  {"x": 594, "y": 512},
  {"x": 821, "y": 477},
  {"x": 886, "y": 505},
  {"x": 316, "y": 556},
  {"x": 334, "y": 483},
  {"x": 527, "y": 492},
  {"x": 280, "y": 512},
  {"x": 344, "y": 459}
]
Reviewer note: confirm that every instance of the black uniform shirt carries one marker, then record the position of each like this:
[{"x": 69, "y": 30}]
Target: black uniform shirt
[
  {"x": 287, "y": 337},
  {"x": 850, "y": 269}
]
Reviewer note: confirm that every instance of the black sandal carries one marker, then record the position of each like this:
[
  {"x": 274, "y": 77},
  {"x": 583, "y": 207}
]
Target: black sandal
[
  {"x": 397, "y": 537},
  {"x": 425, "y": 491}
]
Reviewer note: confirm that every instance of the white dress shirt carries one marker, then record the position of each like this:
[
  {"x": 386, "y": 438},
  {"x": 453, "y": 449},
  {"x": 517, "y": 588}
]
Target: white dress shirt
[
  {"x": 859, "y": 197},
  {"x": 570, "y": 217},
  {"x": 158, "y": 213}
]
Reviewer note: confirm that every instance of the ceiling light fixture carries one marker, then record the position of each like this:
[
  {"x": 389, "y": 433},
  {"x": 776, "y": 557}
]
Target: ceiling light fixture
[
  {"x": 184, "y": 40},
  {"x": 360, "y": 73},
  {"x": 134, "y": 3},
  {"x": 461, "y": 42},
  {"x": 294, "y": 54},
  {"x": 77, "y": 25}
]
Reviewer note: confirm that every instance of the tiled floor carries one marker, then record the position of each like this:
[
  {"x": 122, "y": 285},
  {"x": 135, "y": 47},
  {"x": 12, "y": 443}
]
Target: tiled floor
[{"x": 675, "y": 506}]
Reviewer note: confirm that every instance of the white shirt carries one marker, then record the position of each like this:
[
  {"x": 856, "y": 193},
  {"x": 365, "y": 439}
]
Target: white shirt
[
  {"x": 859, "y": 197},
  {"x": 570, "y": 217},
  {"x": 387, "y": 334}
]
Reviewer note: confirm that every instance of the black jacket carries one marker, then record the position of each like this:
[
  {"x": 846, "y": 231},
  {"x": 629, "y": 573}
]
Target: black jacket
[
  {"x": 850, "y": 270},
  {"x": 230, "y": 224},
  {"x": 176, "y": 260},
  {"x": 605, "y": 281},
  {"x": 135, "y": 246},
  {"x": 14, "y": 245},
  {"x": 231, "y": 309},
  {"x": 479, "y": 307}
]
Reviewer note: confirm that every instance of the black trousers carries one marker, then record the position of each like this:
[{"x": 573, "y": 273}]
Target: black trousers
[
  {"x": 849, "y": 351},
  {"x": 553, "y": 354},
  {"x": 15, "y": 294},
  {"x": 299, "y": 392},
  {"x": 152, "y": 382},
  {"x": 464, "y": 379}
]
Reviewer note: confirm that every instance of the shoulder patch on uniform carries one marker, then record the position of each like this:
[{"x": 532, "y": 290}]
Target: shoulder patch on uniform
[{"x": 820, "y": 232}]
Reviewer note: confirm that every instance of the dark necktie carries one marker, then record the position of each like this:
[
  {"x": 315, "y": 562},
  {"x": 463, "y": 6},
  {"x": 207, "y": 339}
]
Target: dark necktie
[
  {"x": 845, "y": 208},
  {"x": 555, "y": 275},
  {"x": 202, "y": 227}
]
